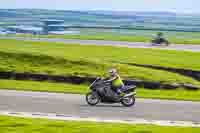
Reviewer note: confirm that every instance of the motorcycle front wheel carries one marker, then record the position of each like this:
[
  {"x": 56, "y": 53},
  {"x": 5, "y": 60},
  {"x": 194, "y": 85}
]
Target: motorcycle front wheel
[
  {"x": 92, "y": 98},
  {"x": 128, "y": 101}
]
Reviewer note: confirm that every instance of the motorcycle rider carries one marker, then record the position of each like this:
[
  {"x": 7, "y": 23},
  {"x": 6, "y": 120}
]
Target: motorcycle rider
[
  {"x": 160, "y": 39},
  {"x": 116, "y": 81}
]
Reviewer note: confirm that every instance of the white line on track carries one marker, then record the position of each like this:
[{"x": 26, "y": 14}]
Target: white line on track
[{"x": 92, "y": 119}]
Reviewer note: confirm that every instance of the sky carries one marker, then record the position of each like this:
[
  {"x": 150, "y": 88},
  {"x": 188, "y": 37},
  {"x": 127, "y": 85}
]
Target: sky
[{"x": 180, "y": 6}]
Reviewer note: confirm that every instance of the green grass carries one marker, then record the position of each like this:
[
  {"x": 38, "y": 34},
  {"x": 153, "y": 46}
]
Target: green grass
[
  {"x": 62, "y": 59},
  {"x": 178, "y": 94},
  {"x": 173, "y": 37},
  {"x": 43, "y": 86},
  {"x": 59, "y": 66},
  {"x": 168, "y": 58},
  {"x": 103, "y": 37},
  {"x": 28, "y": 125}
]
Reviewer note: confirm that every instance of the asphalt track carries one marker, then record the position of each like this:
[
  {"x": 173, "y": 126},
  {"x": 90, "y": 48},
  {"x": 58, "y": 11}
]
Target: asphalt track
[
  {"x": 182, "y": 47},
  {"x": 75, "y": 105}
]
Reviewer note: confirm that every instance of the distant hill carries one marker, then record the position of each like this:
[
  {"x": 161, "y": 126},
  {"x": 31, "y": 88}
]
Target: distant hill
[
  {"x": 148, "y": 20},
  {"x": 62, "y": 13}
]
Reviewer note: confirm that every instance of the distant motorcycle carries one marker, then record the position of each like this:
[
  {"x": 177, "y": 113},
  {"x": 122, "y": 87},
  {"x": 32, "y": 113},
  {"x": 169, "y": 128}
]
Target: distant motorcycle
[
  {"x": 160, "y": 41},
  {"x": 102, "y": 92}
]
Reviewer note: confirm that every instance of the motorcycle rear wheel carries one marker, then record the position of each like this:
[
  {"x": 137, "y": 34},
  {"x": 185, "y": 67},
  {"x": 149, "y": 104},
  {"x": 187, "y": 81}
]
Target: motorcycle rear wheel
[{"x": 128, "y": 102}]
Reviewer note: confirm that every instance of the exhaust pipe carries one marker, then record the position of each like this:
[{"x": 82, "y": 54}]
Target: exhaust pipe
[{"x": 130, "y": 94}]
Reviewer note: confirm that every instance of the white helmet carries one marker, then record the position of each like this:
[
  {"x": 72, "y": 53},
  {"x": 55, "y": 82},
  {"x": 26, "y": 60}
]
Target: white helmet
[{"x": 112, "y": 71}]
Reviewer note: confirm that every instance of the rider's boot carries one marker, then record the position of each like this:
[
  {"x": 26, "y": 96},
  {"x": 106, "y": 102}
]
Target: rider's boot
[{"x": 120, "y": 93}]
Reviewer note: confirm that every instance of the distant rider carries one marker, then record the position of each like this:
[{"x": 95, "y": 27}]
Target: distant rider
[
  {"x": 116, "y": 81},
  {"x": 160, "y": 39}
]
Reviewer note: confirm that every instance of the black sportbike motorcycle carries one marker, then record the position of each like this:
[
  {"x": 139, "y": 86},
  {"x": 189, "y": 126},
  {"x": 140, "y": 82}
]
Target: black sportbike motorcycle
[
  {"x": 102, "y": 92},
  {"x": 160, "y": 41}
]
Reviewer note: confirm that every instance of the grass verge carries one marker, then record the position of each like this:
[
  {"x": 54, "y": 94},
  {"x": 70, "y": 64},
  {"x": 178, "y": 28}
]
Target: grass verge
[
  {"x": 178, "y": 94},
  {"x": 173, "y": 37},
  {"x": 19, "y": 125},
  {"x": 167, "y": 58}
]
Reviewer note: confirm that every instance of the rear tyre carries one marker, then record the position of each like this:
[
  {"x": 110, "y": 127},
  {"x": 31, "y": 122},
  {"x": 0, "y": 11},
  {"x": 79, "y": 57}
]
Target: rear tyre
[
  {"x": 128, "y": 101},
  {"x": 92, "y": 98}
]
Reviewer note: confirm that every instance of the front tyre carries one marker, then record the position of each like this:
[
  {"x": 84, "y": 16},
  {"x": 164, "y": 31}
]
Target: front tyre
[
  {"x": 92, "y": 98},
  {"x": 128, "y": 101}
]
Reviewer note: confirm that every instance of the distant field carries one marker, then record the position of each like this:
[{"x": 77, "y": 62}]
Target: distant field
[
  {"x": 62, "y": 59},
  {"x": 178, "y": 94},
  {"x": 25, "y": 125},
  {"x": 101, "y": 25},
  {"x": 133, "y": 36}
]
